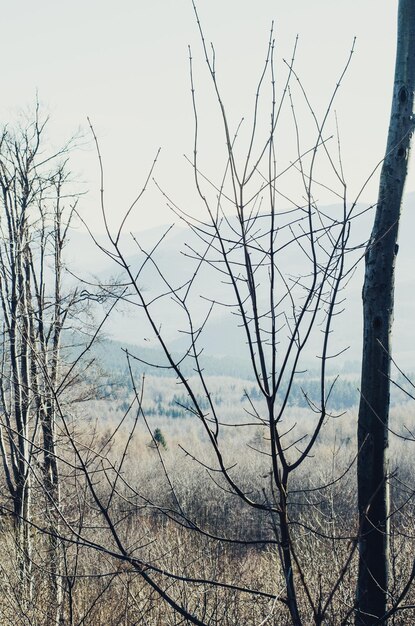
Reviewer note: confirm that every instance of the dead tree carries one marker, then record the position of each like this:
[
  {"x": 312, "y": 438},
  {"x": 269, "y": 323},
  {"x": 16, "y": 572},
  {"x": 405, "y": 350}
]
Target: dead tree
[{"x": 378, "y": 305}]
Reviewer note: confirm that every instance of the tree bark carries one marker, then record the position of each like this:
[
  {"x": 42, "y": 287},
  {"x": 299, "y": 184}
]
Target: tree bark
[{"x": 378, "y": 303}]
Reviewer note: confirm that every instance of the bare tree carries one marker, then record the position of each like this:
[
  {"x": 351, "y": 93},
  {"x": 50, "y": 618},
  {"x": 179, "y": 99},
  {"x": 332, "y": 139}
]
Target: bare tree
[
  {"x": 34, "y": 222},
  {"x": 378, "y": 305},
  {"x": 285, "y": 316}
]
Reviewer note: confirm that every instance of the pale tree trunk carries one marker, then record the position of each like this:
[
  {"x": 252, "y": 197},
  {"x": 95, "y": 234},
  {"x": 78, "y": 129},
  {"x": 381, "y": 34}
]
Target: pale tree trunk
[
  {"x": 378, "y": 301},
  {"x": 21, "y": 382},
  {"x": 48, "y": 329},
  {"x": 51, "y": 469}
]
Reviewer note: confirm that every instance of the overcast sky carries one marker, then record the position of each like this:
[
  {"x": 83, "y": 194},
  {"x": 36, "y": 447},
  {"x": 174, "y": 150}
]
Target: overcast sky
[{"x": 125, "y": 65}]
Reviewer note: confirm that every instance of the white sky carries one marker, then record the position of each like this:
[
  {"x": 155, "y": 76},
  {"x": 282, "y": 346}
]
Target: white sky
[{"x": 125, "y": 64}]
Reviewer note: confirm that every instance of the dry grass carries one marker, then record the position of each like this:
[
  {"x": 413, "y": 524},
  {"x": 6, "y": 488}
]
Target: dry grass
[{"x": 101, "y": 589}]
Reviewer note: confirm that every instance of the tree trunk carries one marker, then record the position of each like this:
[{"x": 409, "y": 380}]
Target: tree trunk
[{"x": 378, "y": 301}]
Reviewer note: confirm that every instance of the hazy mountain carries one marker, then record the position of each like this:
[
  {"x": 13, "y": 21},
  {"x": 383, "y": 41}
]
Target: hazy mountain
[{"x": 222, "y": 336}]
